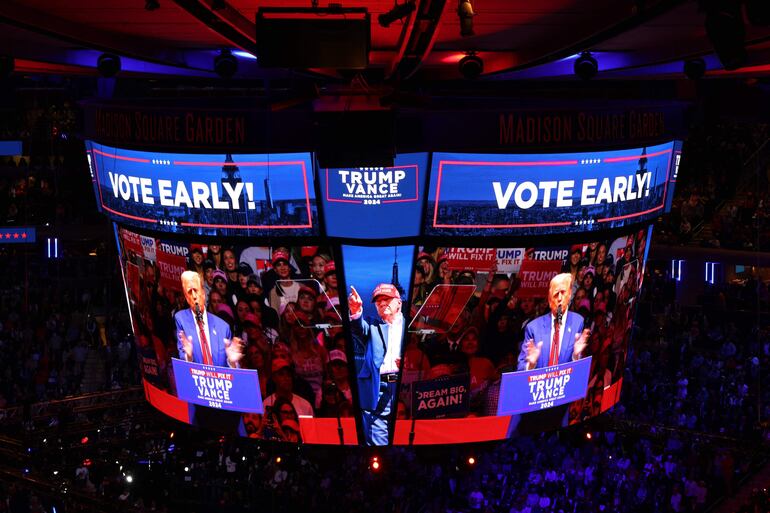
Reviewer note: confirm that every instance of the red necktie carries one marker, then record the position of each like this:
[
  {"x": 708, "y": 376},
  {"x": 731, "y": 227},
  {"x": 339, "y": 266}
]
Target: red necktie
[
  {"x": 554, "y": 359},
  {"x": 204, "y": 344}
]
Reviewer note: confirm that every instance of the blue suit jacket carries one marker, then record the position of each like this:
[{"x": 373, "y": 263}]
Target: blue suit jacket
[
  {"x": 218, "y": 332},
  {"x": 539, "y": 330},
  {"x": 370, "y": 340}
]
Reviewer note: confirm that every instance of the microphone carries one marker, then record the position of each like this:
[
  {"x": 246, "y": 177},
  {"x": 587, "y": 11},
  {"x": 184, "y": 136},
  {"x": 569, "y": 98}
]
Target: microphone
[
  {"x": 559, "y": 314},
  {"x": 199, "y": 314}
]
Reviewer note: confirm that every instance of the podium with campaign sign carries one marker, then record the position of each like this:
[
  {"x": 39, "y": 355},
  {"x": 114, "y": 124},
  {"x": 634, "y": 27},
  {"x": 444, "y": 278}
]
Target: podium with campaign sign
[
  {"x": 221, "y": 388},
  {"x": 537, "y": 389}
]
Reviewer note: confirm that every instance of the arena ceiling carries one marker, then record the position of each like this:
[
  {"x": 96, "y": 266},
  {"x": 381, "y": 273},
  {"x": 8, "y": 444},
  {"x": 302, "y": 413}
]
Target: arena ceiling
[{"x": 517, "y": 40}]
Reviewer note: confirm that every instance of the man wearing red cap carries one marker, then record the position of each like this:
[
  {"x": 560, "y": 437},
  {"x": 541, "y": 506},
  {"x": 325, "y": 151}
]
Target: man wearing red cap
[
  {"x": 286, "y": 289},
  {"x": 379, "y": 341}
]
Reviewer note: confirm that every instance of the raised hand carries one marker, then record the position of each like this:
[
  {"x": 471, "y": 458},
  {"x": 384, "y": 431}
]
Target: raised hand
[
  {"x": 234, "y": 351},
  {"x": 187, "y": 346},
  {"x": 355, "y": 305},
  {"x": 581, "y": 342},
  {"x": 533, "y": 353}
]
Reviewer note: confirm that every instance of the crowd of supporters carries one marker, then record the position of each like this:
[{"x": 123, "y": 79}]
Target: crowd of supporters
[
  {"x": 722, "y": 183},
  {"x": 487, "y": 337},
  {"x": 686, "y": 433},
  {"x": 281, "y": 303},
  {"x": 63, "y": 330}
]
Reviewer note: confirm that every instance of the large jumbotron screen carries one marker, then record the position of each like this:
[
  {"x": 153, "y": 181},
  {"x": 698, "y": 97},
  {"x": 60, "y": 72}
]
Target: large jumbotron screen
[{"x": 449, "y": 298}]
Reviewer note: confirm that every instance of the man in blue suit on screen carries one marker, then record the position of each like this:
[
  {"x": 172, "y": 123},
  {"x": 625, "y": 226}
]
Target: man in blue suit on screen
[
  {"x": 203, "y": 337},
  {"x": 380, "y": 343},
  {"x": 558, "y": 336}
]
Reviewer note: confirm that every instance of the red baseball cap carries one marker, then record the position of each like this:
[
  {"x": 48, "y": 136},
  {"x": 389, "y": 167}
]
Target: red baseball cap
[
  {"x": 280, "y": 255},
  {"x": 279, "y": 363},
  {"x": 291, "y": 424},
  {"x": 304, "y": 289},
  {"x": 425, "y": 255},
  {"x": 250, "y": 318},
  {"x": 337, "y": 355},
  {"x": 385, "y": 289}
]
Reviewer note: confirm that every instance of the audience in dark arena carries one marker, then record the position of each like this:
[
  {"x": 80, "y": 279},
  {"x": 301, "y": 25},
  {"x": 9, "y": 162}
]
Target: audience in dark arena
[{"x": 689, "y": 431}]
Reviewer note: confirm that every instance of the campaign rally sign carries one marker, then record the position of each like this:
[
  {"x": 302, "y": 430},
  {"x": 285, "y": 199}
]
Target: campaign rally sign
[
  {"x": 148, "y": 247},
  {"x": 375, "y": 202},
  {"x": 218, "y": 387},
  {"x": 476, "y": 194},
  {"x": 132, "y": 242},
  {"x": 447, "y": 396},
  {"x": 257, "y": 194},
  {"x": 537, "y": 389},
  {"x": 132, "y": 280},
  {"x": 172, "y": 262},
  {"x": 509, "y": 260},
  {"x": 471, "y": 259},
  {"x": 535, "y": 276}
]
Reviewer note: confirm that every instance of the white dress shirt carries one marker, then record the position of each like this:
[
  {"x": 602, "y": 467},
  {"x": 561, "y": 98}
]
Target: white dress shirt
[{"x": 395, "y": 332}]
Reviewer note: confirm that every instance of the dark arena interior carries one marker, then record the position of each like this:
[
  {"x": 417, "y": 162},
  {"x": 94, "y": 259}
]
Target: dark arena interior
[{"x": 409, "y": 256}]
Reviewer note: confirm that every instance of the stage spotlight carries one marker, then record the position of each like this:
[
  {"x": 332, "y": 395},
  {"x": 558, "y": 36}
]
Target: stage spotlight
[
  {"x": 724, "y": 26},
  {"x": 471, "y": 461},
  {"x": 375, "y": 464},
  {"x": 108, "y": 65},
  {"x": 694, "y": 69},
  {"x": 7, "y": 64},
  {"x": 129, "y": 479},
  {"x": 465, "y": 13},
  {"x": 151, "y": 5},
  {"x": 278, "y": 459},
  {"x": 399, "y": 12},
  {"x": 225, "y": 64},
  {"x": 471, "y": 66},
  {"x": 588, "y": 436},
  {"x": 586, "y": 66}
]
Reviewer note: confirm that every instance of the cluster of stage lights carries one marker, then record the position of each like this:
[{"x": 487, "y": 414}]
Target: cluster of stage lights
[{"x": 168, "y": 222}]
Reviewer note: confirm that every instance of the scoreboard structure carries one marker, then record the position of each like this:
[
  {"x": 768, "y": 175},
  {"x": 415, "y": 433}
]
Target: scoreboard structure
[{"x": 471, "y": 243}]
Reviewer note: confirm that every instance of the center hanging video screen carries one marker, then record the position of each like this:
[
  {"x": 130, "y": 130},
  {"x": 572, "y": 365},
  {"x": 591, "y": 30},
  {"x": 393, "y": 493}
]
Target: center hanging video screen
[
  {"x": 484, "y": 358},
  {"x": 241, "y": 339}
]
